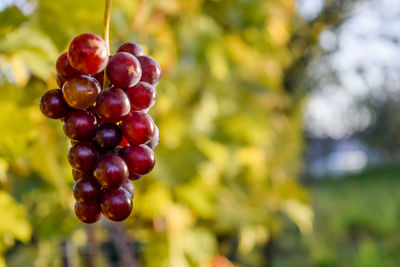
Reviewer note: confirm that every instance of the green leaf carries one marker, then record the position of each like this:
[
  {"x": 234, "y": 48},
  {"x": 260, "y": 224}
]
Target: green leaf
[
  {"x": 10, "y": 19},
  {"x": 63, "y": 19},
  {"x": 33, "y": 47}
]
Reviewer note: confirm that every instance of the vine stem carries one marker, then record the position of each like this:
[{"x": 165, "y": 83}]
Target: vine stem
[{"x": 106, "y": 33}]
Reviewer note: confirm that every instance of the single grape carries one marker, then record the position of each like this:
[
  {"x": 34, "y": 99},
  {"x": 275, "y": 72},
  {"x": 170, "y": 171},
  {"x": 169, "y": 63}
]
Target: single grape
[
  {"x": 108, "y": 136},
  {"x": 137, "y": 128},
  {"x": 81, "y": 92},
  {"x": 80, "y": 125},
  {"x": 139, "y": 159},
  {"x": 151, "y": 70},
  {"x": 78, "y": 174},
  {"x": 82, "y": 156},
  {"x": 110, "y": 171},
  {"x": 112, "y": 104},
  {"x": 123, "y": 70},
  {"x": 90, "y": 213},
  {"x": 60, "y": 80},
  {"x": 116, "y": 205},
  {"x": 128, "y": 186},
  {"x": 64, "y": 68},
  {"x": 52, "y": 104},
  {"x": 100, "y": 78},
  {"x": 88, "y": 53},
  {"x": 141, "y": 96},
  {"x": 153, "y": 143},
  {"x": 86, "y": 190},
  {"x": 131, "y": 48}
]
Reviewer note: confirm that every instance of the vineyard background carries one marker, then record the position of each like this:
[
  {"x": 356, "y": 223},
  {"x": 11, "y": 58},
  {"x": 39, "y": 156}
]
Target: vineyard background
[{"x": 225, "y": 190}]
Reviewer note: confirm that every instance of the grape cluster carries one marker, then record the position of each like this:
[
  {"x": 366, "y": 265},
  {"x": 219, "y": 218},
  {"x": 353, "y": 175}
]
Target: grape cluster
[{"x": 112, "y": 135}]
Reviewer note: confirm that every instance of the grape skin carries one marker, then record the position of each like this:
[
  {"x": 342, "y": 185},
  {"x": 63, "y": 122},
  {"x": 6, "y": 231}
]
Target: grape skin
[
  {"x": 112, "y": 104},
  {"x": 142, "y": 96},
  {"x": 137, "y": 128},
  {"x": 88, "y": 53},
  {"x": 80, "y": 125},
  {"x": 139, "y": 159},
  {"x": 110, "y": 171},
  {"x": 151, "y": 70},
  {"x": 88, "y": 213},
  {"x": 87, "y": 191},
  {"x": 131, "y": 48},
  {"x": 116, "y": 205},
  {"x": 82, "y": 156},
  {"x": 81, "y": 92},
  {"x": 123, "y": 70},
  {"x": 128, "y": 186},
  {"x": 64, "y": 68},
  {"x": 78, "y": 174},
  {"x": 108, "y": 136},
  {"x": 52, "y": 104}
]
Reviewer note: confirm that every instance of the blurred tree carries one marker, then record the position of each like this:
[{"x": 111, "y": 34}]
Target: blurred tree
[{"x": 229, "y": 113}]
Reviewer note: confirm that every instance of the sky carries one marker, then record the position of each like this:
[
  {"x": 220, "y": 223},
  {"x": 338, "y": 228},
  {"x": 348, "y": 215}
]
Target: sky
[
  {"x": 26, "y": 6},
  {"x": 364, "y": 44}
]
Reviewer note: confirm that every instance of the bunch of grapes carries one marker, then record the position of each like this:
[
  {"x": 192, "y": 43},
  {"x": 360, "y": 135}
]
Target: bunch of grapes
[{"x": 112, "y": 135}]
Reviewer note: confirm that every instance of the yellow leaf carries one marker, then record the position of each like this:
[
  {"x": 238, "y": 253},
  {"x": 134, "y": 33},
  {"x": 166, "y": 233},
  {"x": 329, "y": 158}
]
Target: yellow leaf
[
  {"x": 15, "y": 221},
  {"x": 278, "y": 31},
  {"x": 300, "y": 213}
]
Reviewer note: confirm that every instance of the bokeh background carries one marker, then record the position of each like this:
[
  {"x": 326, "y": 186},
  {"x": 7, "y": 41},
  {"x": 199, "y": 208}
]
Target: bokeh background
[{"x": 279, "y": 135}]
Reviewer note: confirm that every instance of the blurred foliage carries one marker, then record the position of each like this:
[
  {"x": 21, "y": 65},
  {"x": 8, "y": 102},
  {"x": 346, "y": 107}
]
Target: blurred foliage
[
  {"x": 383, "y": 133},
  {"x": 229, "y": 117},
  {"x": 358, "y": 227}
]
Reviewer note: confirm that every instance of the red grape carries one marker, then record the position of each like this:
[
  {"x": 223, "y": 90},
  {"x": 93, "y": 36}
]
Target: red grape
[
  {"x": 60, "y": 80},
  {"x": 151, "y": 70},
  {"x": 82, "y": 156},
  {"x": 88, "y": 53},
  {"x": 80, "y": 125},
  {"x": 88, "y": 213},
  {"x": 112, "y": 104},
  {"x": 86, "y": 190},
  {"x": 128, "y": 186},
  {"x": 110, "y": 171},
  {"x": 64, "y": 68},
  {"x": 131, "y": 48},
  {"x": 81, "y": 92},
  {"x": 116, "y": 205},
  {"x": 137, "y": 128},
  {"x": 78, "y": 174},
  {"x": 100, "y": 78},
  {"x": 153, "y": 143},
  {"x": 123, "y": 70},
  {"x": 139, "y": 159},
  {"x": 135, "y": 177},
  {"x": 52, "y": 104},
  {"x": 108, "y": 136},
  {"x": 142, "y": 96}
]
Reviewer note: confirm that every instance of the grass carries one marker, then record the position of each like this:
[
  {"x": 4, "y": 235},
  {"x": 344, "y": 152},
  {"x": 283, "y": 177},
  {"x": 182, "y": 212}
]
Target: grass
[{"x": 357, "y": 223}]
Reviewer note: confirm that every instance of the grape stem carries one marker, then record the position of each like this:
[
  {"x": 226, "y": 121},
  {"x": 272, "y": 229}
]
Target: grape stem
[{"x": 106, "y": 34}]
